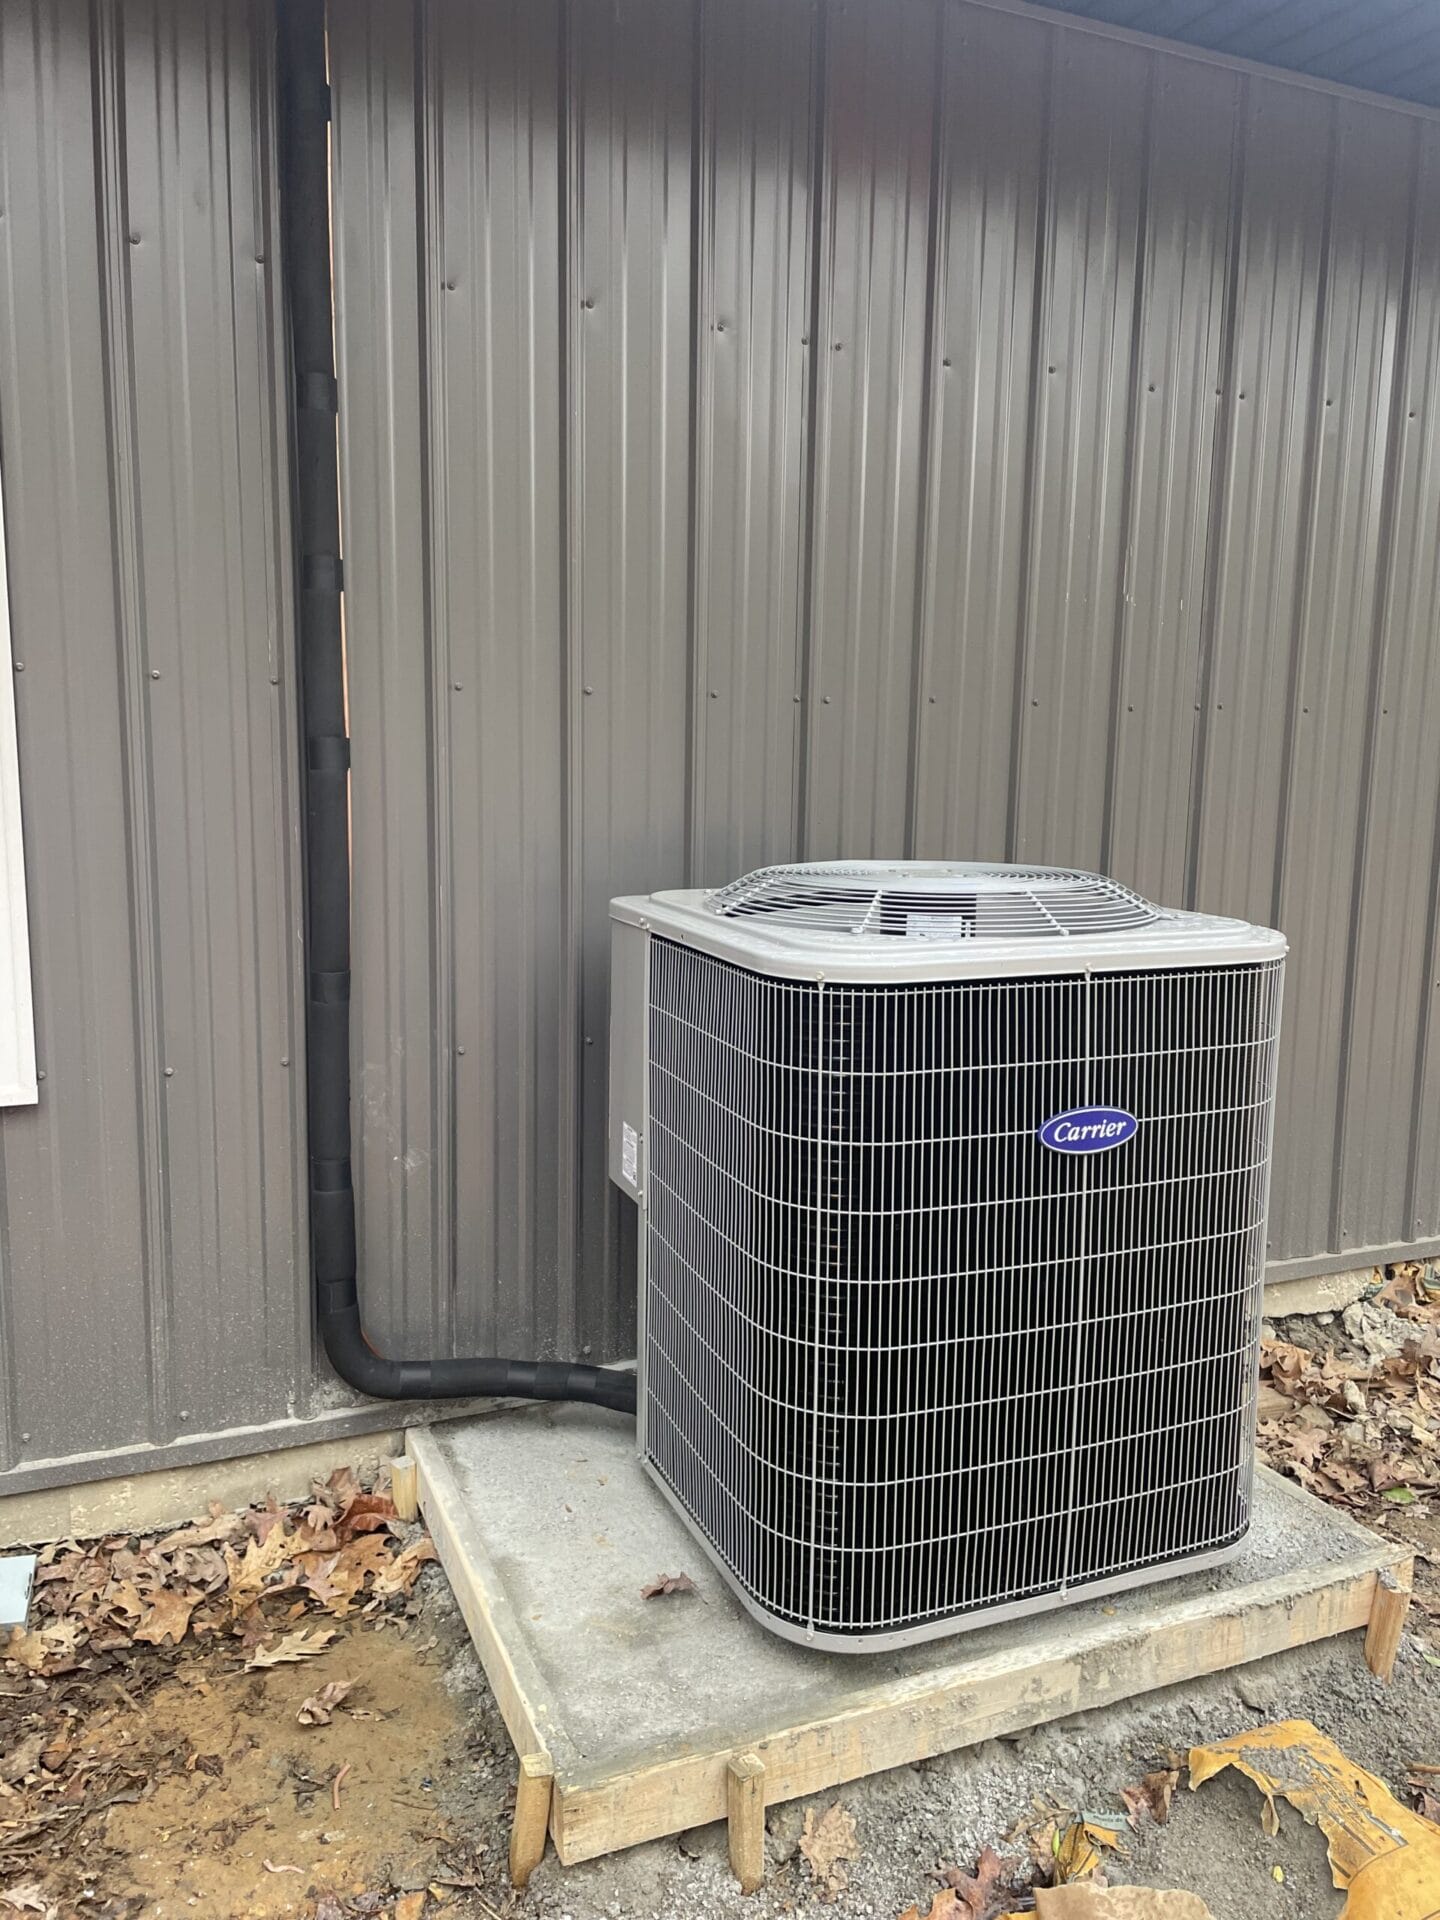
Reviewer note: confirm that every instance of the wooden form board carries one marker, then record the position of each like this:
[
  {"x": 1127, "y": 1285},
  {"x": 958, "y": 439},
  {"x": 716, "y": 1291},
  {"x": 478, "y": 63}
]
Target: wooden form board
[{"x": 1057, "y": 1664}]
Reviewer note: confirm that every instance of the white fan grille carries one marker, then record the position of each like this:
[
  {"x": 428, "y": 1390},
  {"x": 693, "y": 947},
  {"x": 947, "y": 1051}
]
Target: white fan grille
[{"x": 928, "y": 900}]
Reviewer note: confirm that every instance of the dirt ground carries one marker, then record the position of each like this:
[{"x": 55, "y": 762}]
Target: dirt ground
[{"x": 148, "y": 1782}]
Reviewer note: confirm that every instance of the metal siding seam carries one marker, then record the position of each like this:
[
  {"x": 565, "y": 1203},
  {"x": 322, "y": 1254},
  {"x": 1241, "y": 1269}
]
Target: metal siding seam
[
  {"x": 139, "y": 797},
  {"x": 432, "y": 73},
  {"x": 382, "y": 274},
  {"x": 1031, "y": 468},
  {"x": 1354, "y": 373},
  {"x": 633, "y": 75},
  {"x": 866, "y": 427},
  {"x": 73, "y": 1170},
  {"x": 985, "y": 271},
  {"x": 290, "y": 1227},
  {"x": 752, "y": 358},
  {"x": 814, "y": 240},
  {"x": 1180, "y": 344},
  {"x": 1091, "y": 263},
  {"x": 1348, "y": 1142},
  {"x": 1125, "y": 559},
  {"x": 1220, "y": 463},
  {"x": 929, "y": 387}
]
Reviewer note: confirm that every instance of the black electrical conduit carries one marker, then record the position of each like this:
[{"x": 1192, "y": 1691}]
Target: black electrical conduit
[{"x": 325, "y": 836}]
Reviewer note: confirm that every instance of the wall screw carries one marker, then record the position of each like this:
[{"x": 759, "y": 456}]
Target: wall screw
[
  {"x": 459, "y": 1050},
  {"x": 154, "y": 673},
  {"x": 169, "y": 1073},
  {"x": 284, "y": 1059},
  {"x": 19, "y": 666},
  {"x": 40, "y": 1073}
]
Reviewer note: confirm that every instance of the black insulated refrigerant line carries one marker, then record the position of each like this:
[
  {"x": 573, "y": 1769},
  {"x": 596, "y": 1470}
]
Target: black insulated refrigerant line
[{"x": 305, "y": 211}]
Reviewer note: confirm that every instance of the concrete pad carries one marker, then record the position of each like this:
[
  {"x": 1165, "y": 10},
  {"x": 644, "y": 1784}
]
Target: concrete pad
[
  {"x": 1319, "y": 1292},
  {"x": 549, "y": 1528}
]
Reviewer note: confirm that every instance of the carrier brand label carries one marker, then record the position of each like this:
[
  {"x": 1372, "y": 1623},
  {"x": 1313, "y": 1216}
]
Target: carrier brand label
[{"x": 1087, "y": 1129}]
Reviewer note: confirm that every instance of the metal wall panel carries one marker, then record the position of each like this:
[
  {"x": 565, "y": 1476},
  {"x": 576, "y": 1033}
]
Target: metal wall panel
[
  {"x": 150, "y": 1283},
  {"x": 790, "y": 426},
  {"x": 938, "y": 401}
]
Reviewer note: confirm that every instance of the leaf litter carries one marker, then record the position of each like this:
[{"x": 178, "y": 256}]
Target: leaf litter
[{"x": 109, "y": 1621}]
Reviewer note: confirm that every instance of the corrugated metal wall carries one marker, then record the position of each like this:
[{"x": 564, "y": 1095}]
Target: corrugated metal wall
[
  {"x": 150, "y": 1287},
  {"x": 874, "y": 426},
  {"x": 870, "y": 427}
]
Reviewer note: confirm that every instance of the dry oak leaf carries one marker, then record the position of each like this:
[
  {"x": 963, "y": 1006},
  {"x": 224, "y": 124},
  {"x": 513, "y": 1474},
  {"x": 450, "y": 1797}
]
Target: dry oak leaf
[
  {"x": 978, "y": 1896},
  {"x": 827, "y": 1843},
  {"x": 27, "y": 1899},
  {"x": 366, "y": 1513},
  {"x": 945, "y": 1906},
  {"x": 668, "y": 1583},
  {"x": 166, "y": 1617},
  {"x": 401, "y": 1573},
  {"x": 1153, "y": 1796},
  {"x": 291, "y": 1647},
  {"x": 337, "y": 1579},
  {"x": 250, "y": 1570},
  {"x": 316, "y": 1711},
  {"x": 410, "y": 1906}
]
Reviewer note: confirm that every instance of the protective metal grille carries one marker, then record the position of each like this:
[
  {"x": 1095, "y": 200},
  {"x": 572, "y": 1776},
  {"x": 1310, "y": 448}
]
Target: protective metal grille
[
  {"x": 904, "y": 1362},
  {"x": 931, "y": 900}
]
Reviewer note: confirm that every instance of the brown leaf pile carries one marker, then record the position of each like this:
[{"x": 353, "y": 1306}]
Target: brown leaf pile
[
  {"x": 108, "y": 1615},
  {"x": 1358, "y": 1430},
  {"x": 246, "y": 1575}
]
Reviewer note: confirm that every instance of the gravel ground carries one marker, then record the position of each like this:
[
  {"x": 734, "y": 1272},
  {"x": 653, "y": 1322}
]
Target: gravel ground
[{"x": 944, "y": 1811}]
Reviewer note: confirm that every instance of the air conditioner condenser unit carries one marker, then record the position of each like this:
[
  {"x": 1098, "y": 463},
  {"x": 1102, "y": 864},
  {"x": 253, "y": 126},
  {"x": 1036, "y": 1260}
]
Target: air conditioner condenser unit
[{"x": 952, "y": 1185}]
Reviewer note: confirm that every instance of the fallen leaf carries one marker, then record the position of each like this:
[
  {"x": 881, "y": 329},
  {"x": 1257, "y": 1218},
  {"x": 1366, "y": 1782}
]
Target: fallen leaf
[
  {"x": 22, "y": 1759},
  {"x": 366, "y": 1513},
  {"x": 1399, "y": 1496},
  {"x": 668, "y": 1583},
  {"x": 400, "y": 1575},
  {"x": 1084, "y": 1900},
  {"x": 27, "y": 1899},
  {"x": 410, "y": 1906},
  {"x": 979, "y": 1896},
  {"x": 337, "y": 1580},
  {"x": 317, "y": 1710},
  {"x": 1152, "y": 1796},
  {"x": 827, "y": 1843},
  {"x": 945, "y": 1906},
  {"x": 1078, "y": 1846},
  {"x": 1385, "y": 1855},
  {"x": 166, "y": 1617},
  {"x": 338, "y": 1782},
  {"x": 291, "y": 1647},
  {"x": 250, "y": 1570}
]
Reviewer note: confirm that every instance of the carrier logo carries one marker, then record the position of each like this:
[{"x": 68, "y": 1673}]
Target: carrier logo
[{"x": 1087, "y": 1130}]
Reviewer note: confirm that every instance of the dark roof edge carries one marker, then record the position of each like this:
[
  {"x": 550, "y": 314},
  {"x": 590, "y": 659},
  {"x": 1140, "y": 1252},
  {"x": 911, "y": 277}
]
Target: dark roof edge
[{"x": 1209, "y": 57}]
